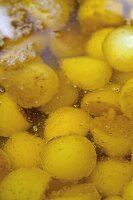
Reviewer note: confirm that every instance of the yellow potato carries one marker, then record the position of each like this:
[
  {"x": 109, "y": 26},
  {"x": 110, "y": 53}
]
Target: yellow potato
[
  {"x": 24, "y": 150},
  {"x": 68, "y": 43},
  {"x": 67, "y": 95},
  {"x": 85, "y": 72},
  {"x": 128, "y": 191},
  {"x": 118, "y": 47},
  {"x": 5, "y": 164},
  {"x": 121, "y": 77},
  {"x": 77, "y": 192},
  {"x": 94, "y": 44},
  {"x": 126, "y": 98},
  {"x": 11, "y": 118},
  {"x": 97, "y": 14},
  {"x": 24, "y": 184},
  {"x": 53, "y": 13},
  {"x": 31, "y": 85},
  {"x": 66, "y": 121},
  {"x": 111, "y": 176},
  {"x": 114, "y": 134},
  {"x": 98, "y": 102},
  {"x": 113, "y": 198},
  {"x": 69, "y": 158}
]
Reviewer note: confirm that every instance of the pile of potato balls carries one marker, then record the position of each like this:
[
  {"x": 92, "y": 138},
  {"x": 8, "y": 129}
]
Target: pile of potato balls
[{"x": 66, "y": 109}]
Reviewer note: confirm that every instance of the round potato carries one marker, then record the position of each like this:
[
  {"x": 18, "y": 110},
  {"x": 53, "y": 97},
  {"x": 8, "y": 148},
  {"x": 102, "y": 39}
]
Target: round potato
[
  {"x": 69, "y": 158},
  {"x": 113, "y": 134},
  {"x": 98, "y": 102},
  {"x": 31, "y": 85},
  {"x": 86, "y": 73},
  {"x": 94, "y": 45},
  {"x": 121, "y": 77},
  {"x": 110, "y": 176},
  {"x": 66, "y": 121},
  {"x": 118, "y": 47},
  {"x": 24, "y": 150},
  {"x": 11, "y": 118},
  {"x": 24, "y": 184},
  {"x": 97, "y": 14}
]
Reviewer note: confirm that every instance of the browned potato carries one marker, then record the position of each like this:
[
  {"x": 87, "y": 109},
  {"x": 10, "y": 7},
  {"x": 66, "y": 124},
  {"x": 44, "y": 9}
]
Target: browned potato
[
  {"x": 97, "y": 14},
  {"x": 32, "y": 84}
]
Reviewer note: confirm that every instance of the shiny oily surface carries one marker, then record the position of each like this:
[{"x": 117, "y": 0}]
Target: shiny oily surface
[
  {"x": 118, "y": 47},
  {"x": 66, "y": 103}
]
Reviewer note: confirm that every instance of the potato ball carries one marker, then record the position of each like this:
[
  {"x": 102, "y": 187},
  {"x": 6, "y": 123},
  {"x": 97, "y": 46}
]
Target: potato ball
[
  {"x": 121, "y": 77},
  {"x": 110, "y": 176},
  {"x": 24, "y": 150},
  {"x": 68, "y": 43},
  {"x": 126, "y": 98},
  {"x": 69, "y": 158},
  {"x": 113, "y": 198},
  {"x": 5, "y": 164},
  {"x": 85, "y": 72},
  {"x": 11, "y": 118},
  {"x": 67, "y": 95},
  {"x": 97, "y": 14},
  {"x": 114, "y": 134},
  {"x": 77, "y": 192},
  {"x": 24, "y": 184},
  {"x": 94, "y": 45},
  {"x": 53, "y": 13},
  {"x": 66, "y": 121},
  {"x": 98, "y": 102},
  {"x": 118, "y": 47},
  {"x": 31, "y": 85}
]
